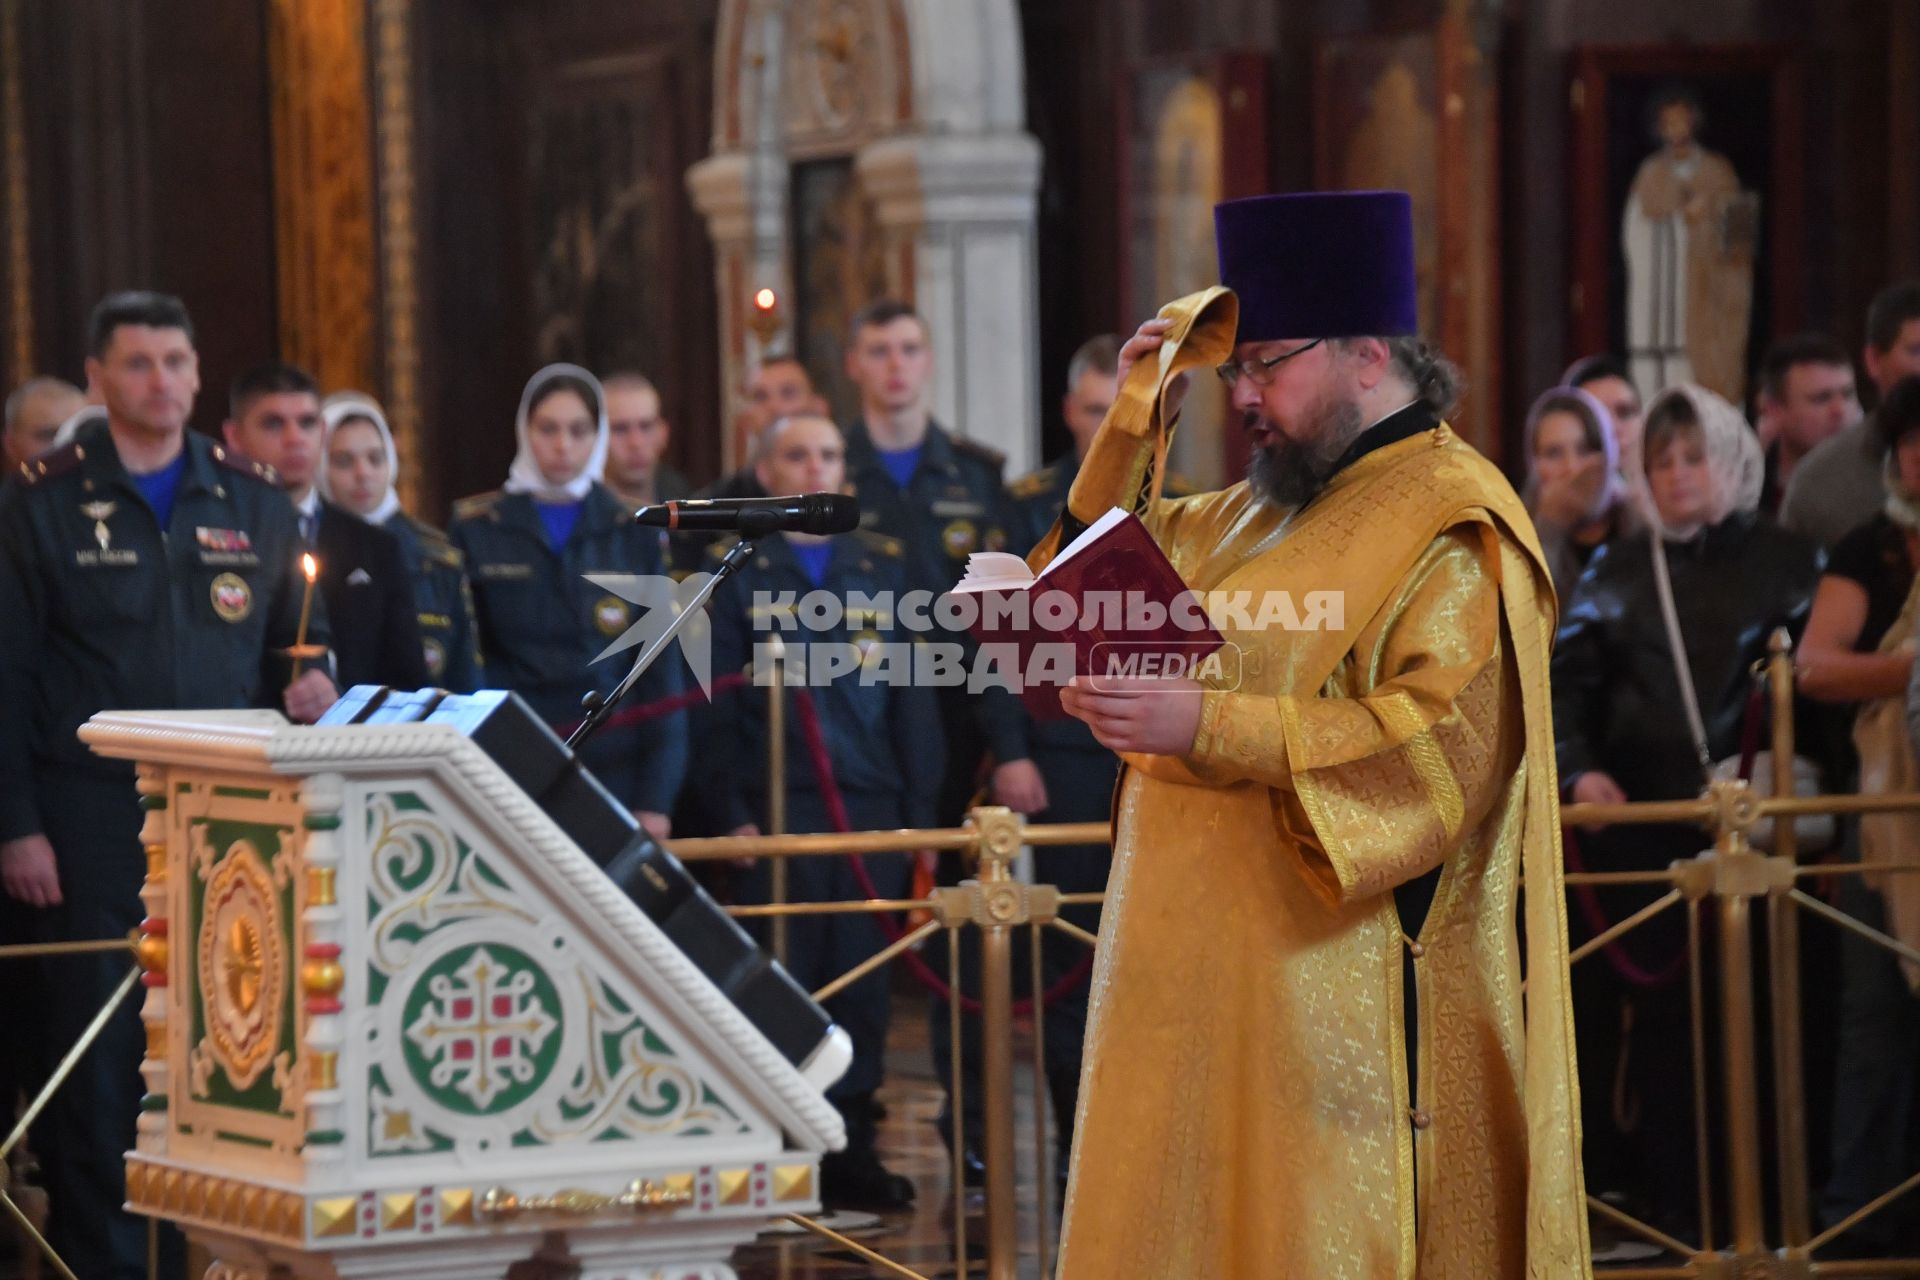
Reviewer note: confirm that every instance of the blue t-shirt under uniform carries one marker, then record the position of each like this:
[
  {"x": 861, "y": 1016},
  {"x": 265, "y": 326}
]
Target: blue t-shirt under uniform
[
  {"x": 900, "y": 463},
  {"x": 559, "y": 519},
  {"x": 813, "y": 557},
  {"x": 159, "y": 488}
]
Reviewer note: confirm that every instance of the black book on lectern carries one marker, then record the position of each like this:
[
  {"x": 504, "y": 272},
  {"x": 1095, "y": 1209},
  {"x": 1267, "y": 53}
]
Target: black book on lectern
[{"x": 539, "y": 763}]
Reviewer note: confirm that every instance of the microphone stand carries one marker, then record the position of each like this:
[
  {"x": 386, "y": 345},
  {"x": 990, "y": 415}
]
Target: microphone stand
[{"x": 600, "y": 707}]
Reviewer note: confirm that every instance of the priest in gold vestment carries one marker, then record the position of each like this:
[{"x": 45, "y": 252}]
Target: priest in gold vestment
[{"x": 1309, "y": 1053}]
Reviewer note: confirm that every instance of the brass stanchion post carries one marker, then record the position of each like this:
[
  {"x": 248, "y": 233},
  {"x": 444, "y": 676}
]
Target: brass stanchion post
[
  {"x": 999, "y": 835},
  {"x": 1734, "y": 888},
  {"x": 777, "y": 781},
  {"x": 1783, "y": 966}
]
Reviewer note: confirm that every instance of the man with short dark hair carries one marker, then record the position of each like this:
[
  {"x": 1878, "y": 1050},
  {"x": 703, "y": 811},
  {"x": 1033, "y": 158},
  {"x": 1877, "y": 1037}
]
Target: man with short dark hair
[
  {"x": 142, "y": 566},
  {"x": 275, "y": 418},
  {"x": 940, "y": 494},
  {"x": 780, "y": 388},
  {"x": 637, "y": 435},
  {"x": 1839, "y": 484},
  {"x": 1807, "y": 397},
  {"x": 35, "y": 411}
]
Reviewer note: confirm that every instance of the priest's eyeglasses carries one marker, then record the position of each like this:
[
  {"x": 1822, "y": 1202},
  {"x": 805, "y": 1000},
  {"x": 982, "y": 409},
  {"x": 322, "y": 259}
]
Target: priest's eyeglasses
[{"x": 1260, "y": 372}]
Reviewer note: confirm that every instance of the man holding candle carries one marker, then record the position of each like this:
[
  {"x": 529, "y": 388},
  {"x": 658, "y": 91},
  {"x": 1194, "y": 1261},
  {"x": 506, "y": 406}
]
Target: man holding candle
[
  {"x": 364, "y": 581},
  {"x": 141, "y": 566}
]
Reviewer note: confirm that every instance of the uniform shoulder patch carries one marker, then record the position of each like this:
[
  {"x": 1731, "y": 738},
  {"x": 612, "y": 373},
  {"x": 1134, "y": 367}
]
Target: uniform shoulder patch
[
  {"x": 476, "y": 506},
  {"x": 880, "y": 543},
  {"x": 1032, "y": 485},
  {"x": 54, "y": 462},
  {"x": 434, "y": 544},
  {"x": 437, "y": 550},
  {"x": 967, "y": 448},
  {"x": 233, "y": 460}
]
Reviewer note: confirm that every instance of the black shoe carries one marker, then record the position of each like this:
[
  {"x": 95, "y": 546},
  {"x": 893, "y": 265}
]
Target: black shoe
[{"x": 855, "y": 1179}]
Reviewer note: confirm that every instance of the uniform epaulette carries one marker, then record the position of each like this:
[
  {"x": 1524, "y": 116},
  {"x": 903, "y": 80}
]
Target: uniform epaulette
[
  {"x": 233, "y": 460},
  {"x": 980, "y": 452},
  {"x": 477, "y": 505},
  {"x": 52, "y": 463},
  {"x": 434, "y": 544},
  {"x": 880, "y": 543},
  {"x": 1032, "y": 485}
]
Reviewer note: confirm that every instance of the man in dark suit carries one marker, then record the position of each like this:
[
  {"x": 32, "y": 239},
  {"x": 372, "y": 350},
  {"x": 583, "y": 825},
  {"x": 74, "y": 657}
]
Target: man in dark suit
[{"x": 275, "y": 419}]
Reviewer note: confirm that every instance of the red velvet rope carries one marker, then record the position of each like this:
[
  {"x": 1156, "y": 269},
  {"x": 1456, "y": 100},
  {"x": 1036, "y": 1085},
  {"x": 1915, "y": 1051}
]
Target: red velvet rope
[
  {"x": 1589, "y": 904},
  {"x": 807, "y": 717}
]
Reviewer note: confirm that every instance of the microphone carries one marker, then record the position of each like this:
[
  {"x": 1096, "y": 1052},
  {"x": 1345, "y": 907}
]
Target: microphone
[{"x": 753, "y": 517}]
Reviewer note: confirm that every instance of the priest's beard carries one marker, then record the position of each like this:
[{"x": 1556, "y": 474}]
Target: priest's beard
[{"x": 1290, "y": 473}]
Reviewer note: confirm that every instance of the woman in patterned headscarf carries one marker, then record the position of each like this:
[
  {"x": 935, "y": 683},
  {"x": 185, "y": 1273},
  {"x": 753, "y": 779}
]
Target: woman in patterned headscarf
[{"x": 1620, "y": 714}]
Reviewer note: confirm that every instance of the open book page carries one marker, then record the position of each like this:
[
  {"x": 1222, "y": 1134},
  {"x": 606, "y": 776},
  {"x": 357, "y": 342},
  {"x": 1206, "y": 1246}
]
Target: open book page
[
  {"x": 994, "y": 571},
  {"x": 1088, "y": 536}
]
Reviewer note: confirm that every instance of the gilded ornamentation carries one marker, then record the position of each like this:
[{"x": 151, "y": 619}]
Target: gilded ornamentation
[
  {"x": 733, "y": 1186},
  {"x": 842, "y": 74},
  {"x": 334, "y": 1218},
  {"x": 793, "y": 1182},
  {"x": 241, "y": 968},
  {"x": 399, "y": 285},
  {"x": 19, "y": 241},
  {"x": 399, "y": 1211},
  {"x": 457, "y": 1208}
]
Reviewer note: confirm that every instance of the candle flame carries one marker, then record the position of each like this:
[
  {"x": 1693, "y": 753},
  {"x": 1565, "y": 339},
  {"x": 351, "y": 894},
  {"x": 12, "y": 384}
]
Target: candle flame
[
  {"x": 766, "y": 299},
  {"x": 309, "y": 566}
]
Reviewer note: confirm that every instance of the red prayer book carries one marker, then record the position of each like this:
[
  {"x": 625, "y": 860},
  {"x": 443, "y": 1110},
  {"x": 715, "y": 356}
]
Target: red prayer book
[{"x": 1109, "y": 605}]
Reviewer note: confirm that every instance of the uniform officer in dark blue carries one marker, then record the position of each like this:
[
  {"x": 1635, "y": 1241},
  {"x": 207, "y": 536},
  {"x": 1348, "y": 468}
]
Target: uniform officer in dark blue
[
  {"x": 941, "y": 496},
  {"x": 883, "y": 746},
  {"x": 531, "y": 550},
  {"x": 141, "y": 566},
  {"x": 1059, "y": 773},
  {"x": 357, "y": 475}
]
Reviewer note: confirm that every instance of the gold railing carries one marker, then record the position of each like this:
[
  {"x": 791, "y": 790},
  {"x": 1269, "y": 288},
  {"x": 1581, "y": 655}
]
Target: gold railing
[{"x": 1729, "y": 877}]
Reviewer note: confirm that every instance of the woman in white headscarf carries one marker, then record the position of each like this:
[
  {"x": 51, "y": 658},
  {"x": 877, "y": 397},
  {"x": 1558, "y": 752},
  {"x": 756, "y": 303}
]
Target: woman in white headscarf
[
  {"x": 1623, "y": 733},
  {"x": 530, "y": 550},
  {"x": 1575, "y": 491},
  {"x": 359, "y": 467}
]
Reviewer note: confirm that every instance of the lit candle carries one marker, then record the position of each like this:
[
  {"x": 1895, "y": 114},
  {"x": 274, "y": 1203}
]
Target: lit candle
[
  {"x": 310, "y": 567},
  {"x": 765, "y": 319}
]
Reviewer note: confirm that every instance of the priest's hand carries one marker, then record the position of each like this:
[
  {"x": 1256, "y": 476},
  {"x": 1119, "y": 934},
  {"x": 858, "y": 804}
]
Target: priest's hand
[
  {"x": 1151, "y": 717},
  {"x": 1145, "y": 341}
]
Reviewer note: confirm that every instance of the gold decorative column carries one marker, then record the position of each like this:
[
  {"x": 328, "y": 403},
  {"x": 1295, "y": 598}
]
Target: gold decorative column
[
  {"x": 323, "y": 189},
  {"x": 399, "y": 280},
  {"x": 13, "y": 170}
]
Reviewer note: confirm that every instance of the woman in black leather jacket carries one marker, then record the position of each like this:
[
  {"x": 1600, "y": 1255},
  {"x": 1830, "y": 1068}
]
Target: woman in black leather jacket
[{"x": 1622, "y": 734}]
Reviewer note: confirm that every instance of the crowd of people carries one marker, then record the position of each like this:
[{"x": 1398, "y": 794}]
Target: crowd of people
[
  {"x": 145, "y": 565},
  {"x": 1682, "y": 535}
]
